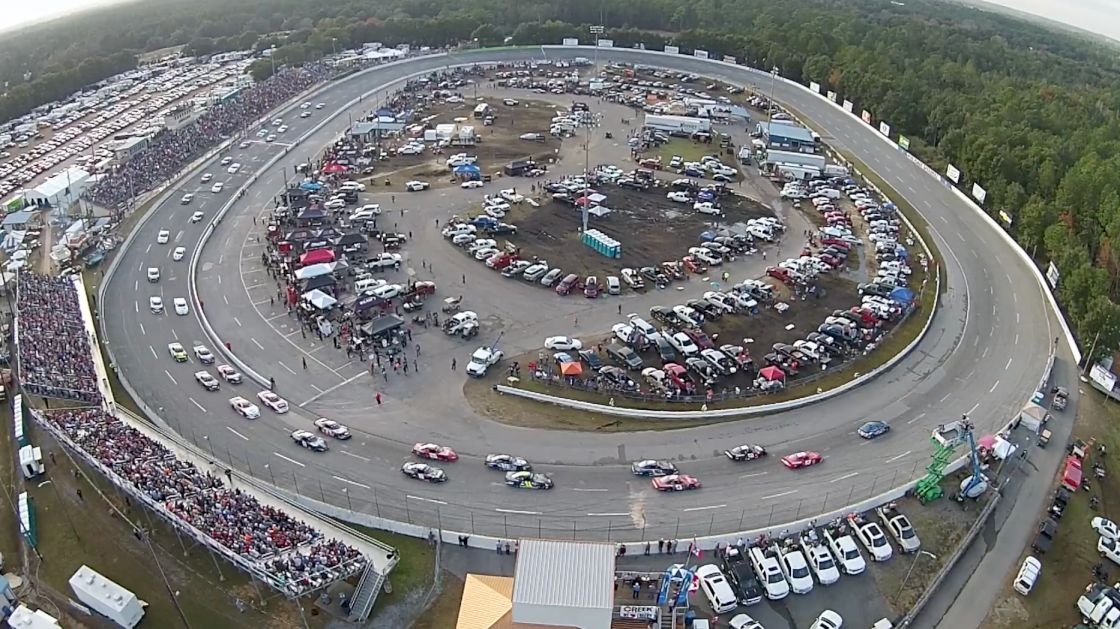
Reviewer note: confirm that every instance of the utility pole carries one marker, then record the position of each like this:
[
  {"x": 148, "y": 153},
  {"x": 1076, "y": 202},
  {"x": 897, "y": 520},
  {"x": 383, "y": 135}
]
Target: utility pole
[
  {"x": 1089, "y": 356},
  {"x": 597, "y": 30},
  {"x": 770, "y": 109}
]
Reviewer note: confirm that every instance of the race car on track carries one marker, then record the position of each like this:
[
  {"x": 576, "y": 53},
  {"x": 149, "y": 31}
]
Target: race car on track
[
  {"x": 208, "y": 382},
  {"x": 273, "y": 401},
  {"x": 245, "y": 408},
  {"x": 675, "y": 482},
  {"x": 309, "y": 440},
  {"x": 528, "y": 480},
  {"x": 746, "y": 452},
  {"x": 332, "y": 428},
  {"x": 870, "y": 430},
  {"x": 652, "y": 468},
  {"x": 434, "y": 452},
  {"x": 423, "y": 471},
  {"x": 230, "y": 374},
  {"x": 177, "y": 352},
  {"x": 507, "y": 463},
  {"x": 801, "y": 459}
]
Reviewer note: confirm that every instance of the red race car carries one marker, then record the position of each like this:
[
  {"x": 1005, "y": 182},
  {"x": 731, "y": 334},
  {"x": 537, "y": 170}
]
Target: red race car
[
  {"x": 801, "y": 459},
  {"x": 434, "y": 452},
  {"x": 675, "y": 482}
]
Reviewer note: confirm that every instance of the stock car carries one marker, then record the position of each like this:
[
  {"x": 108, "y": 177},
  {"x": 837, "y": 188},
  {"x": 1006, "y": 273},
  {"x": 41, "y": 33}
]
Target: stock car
[
  {"x": 435, "y": 452},
  {"x": 870, "y": 430},
  {"x": 309, "y": 440},
  {"x": 208, "y": 382},
  {"x": 273, "y": 401},
  {"x": 230, "y": 374},
  {"x": 746, "y": 452},
  {"x": 528, "y": 480},
  {"x": 675, "y": 482},
  {"x": 332, "y": 428},
  {"x": 507, "y": 463},
  {"x": 245, "y": 408},
  {"x": 177, "y": 352},
  {"x": 423, "y": 471},
  {"x": 801, "y": 459},
  {"x": 204, "y": 355},
  {"x": 650, "y": 467}
]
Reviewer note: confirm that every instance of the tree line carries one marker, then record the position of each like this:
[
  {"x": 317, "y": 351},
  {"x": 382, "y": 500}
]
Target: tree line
[{"x": 1028, "y": 113}]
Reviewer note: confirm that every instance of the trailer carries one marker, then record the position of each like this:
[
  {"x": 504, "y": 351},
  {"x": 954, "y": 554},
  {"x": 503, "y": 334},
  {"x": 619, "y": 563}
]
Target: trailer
[{"x": 678, "y": 125}]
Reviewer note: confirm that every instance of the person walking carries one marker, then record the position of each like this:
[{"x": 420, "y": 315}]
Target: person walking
[
  {"x": 377, "y": 396},
  {"x": 452, "y": 364},
  {"x": 637, "y": 589},
  {"x": 304, "y": 359}
]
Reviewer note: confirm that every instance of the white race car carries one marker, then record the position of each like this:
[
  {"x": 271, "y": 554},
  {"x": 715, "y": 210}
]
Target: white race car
[
  {"x": 245, "y": 408},
  {"x": 416, "y": 186},
  {"x": 332, "y": 428},
  {"x": 273, "y": 401}
]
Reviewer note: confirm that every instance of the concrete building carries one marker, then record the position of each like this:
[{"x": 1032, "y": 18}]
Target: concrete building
[
  {"x": 181, "y": 116},
  {"x": 61, "y": 190},
  {"x": 786, "y": 135},
  {"x": 19, "y": 221},
  {"x": 126, "y": 148},
  {"x": 797, "y": 165}
]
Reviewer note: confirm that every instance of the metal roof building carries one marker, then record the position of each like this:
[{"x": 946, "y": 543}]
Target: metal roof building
[
  {"x": 564, "y": 583},
  {"x": 783, "y": 134}
]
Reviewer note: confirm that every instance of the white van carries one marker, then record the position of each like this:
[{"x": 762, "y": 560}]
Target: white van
[
  {"x": 368, "y": 284},
  {"x": 715, "y": 586}
]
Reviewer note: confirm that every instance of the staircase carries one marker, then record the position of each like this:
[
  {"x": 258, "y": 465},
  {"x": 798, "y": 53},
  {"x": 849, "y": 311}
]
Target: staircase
[
  {"x": 929, "y": 487},
  {"x": 365, "y": 595}
]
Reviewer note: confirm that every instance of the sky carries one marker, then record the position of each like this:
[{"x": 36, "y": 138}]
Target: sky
[{"x": 1098, "y": 16}]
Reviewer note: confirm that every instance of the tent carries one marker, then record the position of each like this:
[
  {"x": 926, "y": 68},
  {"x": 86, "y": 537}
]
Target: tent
[
  {"x": 902, "y": 295},
  {"x": 316, "y": 256},
  {"x": 1032, "y": 416},
  {"x": 314, "y": 270},
  {"x": 468, "y": 171},
  {"x": 772, "y": 373},
  {"x": 319, "y": 299},
  {"x": 571, "y": 369},
  {"x": 321, "y": 281},
  {"x": 311, "y": 186},
  {"x": 333, "y": 167},
  {"x": 311, "y": 214}
]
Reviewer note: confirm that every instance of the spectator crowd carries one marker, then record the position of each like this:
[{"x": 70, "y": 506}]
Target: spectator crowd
[
  {"x": 55, "y": 354},
  {"x": 168, "y": 152},
  {"x": 56, "y": 361}
]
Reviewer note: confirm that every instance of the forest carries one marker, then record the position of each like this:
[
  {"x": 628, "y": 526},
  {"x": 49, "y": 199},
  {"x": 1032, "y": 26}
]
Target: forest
[{"x": 1028, "y": 113}]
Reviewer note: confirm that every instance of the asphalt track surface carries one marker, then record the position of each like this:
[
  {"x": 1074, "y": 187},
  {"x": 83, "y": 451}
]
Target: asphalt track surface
[{"x": 983, "y": 356}]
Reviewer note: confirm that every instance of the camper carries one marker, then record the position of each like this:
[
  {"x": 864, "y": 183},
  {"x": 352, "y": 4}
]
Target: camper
[{"x": 482, "y": 110}]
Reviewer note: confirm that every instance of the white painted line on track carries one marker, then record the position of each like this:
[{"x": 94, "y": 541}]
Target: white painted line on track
[
  {"x": 973, "y": 409},
  {"x": 784, "y": 493},
  {"x": 257, "y": 343},
  {"x": 899, "y": 456},
  {"x": 515, "y": 511},
  {"x": 335, "y": 387},
  {"x": 608, "y": 515},
  {"x": 136, "y": 306},
  {"x": 154, "y": 354},
  {"x": 170, "y": 376},
  {"x": 351, "y": 482},
  {"x": 993, "y": 387},
  {"x": 753, "y": 475},
  {"x": 243, "y": 437},
  {"x": 1016, "y": 339},
  {"x": 423, "y": 499},
  {"x": 916, "y": 418},
  {"x": 142, "y": 330},
  {"x": 315, "y": 387},
  {"x": 200, "y": 407},
  {"x": 281, "y": 363},
  {"x": 289, "y": 460},
  {"x": 704, "y": 508},
  {"x": 1008, "y": 365},
  {"x": 844, "y": 477},
  {"x": 582, "y": 489},
  {"x": 356, "y": 456},
  {"x": 225, "y": 299},
  {"x": 237, "y": 321}
]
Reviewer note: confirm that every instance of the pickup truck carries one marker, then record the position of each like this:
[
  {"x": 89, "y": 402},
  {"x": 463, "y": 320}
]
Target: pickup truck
[
  {"x": 898, "y": 526},
  {"x": 871, "y": 535},
  {"x": 820, "y": 560},
  {"x": 738, "y": 570},
  {"x": 844, "y": 548}
]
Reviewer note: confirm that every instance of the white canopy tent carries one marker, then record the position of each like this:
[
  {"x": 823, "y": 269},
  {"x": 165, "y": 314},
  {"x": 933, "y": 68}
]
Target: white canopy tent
[{"x": 319, "y": 299}]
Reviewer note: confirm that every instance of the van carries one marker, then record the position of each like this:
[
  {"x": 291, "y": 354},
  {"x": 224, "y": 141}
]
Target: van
[
  {"x": 644, "y": 327},
  {"x": 718, "y": 591},
  {"x": 567, "y": 284},
  {"x": 614, "y": 287},
  {"x": 368, "y": 284},
  {"x": 624, "y": 356}
]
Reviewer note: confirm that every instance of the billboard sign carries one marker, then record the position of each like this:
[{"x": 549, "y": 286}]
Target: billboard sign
[
  {"x": 953, "y": 174},
  {"x": 848, "y": 106},
  {"x": 729, "y": 59},
  {"x": 1103, "y": 377},
  {"x": 1052, "y": 275},
  {"x": 884, "y": 128},
  {"x": 979, "y": 193},
  {"x": 700, "y": 54},
  {"x": 673, "y": 50},
  {"x": 606, "y": 43},
  {"x": 816, "y": 87},
  {"x": 832, "y": 96},
  {"x": 904, "y": 142},
  {"x": 571, "y": 41},
  {"x": 866, "y": 116},
  {"x": 1006, "y": 218}
]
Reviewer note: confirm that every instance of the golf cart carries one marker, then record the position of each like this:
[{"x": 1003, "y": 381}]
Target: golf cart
[
  {"x": 1043, "y": 437},
  {"x": 1061, "y": 399}
]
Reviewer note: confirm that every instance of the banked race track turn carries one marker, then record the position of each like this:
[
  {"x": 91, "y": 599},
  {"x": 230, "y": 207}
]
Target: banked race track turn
[{"x": 983, "y": 356}]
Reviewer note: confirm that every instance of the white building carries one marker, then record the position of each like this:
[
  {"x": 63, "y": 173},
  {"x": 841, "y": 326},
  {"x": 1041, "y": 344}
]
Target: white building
[
  {"x": 564, "y": 584},
  {"x": 24, "y": 618},
  {"x": 60, "y": 191}
]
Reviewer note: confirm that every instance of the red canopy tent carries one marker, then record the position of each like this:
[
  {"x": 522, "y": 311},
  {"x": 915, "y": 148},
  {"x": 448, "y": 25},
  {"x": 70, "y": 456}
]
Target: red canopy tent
[
  {"x": 772, "y": 373},
  {"x": 316, "y": 256},
  {"x": 332, "y": 168}
]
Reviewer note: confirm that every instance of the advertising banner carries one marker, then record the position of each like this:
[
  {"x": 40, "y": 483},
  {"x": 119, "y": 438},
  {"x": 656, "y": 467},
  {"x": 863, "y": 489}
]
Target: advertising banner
[
  {"x": 866, "y": 116},
  {"x": 884, "y": 128},
  {"x": 816, "y": 87},
  {"x": 1006, "y": 218},
  {"x": 1052, "y": 275},
  {"x": 953, "y": 174},
  {"x": 700, "y": 54},
  {"x": 832, "y": 96},
  {"x": 606, "y": 43},
  {"x": 848, "y": 106},
  {"x": 571, "y": 41},
  {"x": 729, "y": 59},
  {"x": 979, "y": 193},
  {"x": 904, "y": 142},
  {"x": 1103, "y": 377},
  {"x": 673, "y": 50}
]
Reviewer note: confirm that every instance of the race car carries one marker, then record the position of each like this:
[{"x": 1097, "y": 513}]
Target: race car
[
  {"x": 528, "y": 480},
  {"x": 507, "y": 463},
  {"x": 675, "y": 482},
  {"x": 434, "y": 452},
  {"x": 423, "y": 471},
  {"x": 309, "y": 440},
  {"x": 177, "y": 352},
  {"x": 801, "y": 459},
  {"x": 204, "y": 355},
  {"x": 652, "y": 468},
  {"x": 332, "y": 428},
  {"x": 746, "y": 452},
  {"x": 208, "y": 382},
  {"x": 245, "y": 408},
  {"x": 273, "y": 401},
  {"x": 870, "y": 430},
  {"x": 416, "y": 186},
  {"x": 230, "y": 374}
]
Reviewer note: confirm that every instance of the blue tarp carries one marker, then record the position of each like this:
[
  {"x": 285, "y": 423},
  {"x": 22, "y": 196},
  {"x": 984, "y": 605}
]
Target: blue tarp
[
  {"x": 311, "y": 185},
  {"x": 903, "y": 296}
]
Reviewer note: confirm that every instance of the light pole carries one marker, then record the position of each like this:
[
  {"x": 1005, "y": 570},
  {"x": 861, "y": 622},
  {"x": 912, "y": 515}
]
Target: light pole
[
  {"x": 270, "y": 474},
  {"x": 770, "y": 107},
  {"x": 334, "y": 50},
  {"x": 272, "y": 57},
  {"x": 597, "y": 30},
  {"x": 912, "y": 564},
  {"x": 348, "y": 503}
]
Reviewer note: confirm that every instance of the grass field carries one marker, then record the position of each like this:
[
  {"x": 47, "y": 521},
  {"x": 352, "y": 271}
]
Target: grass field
[{"x": 444, "y": 610}]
